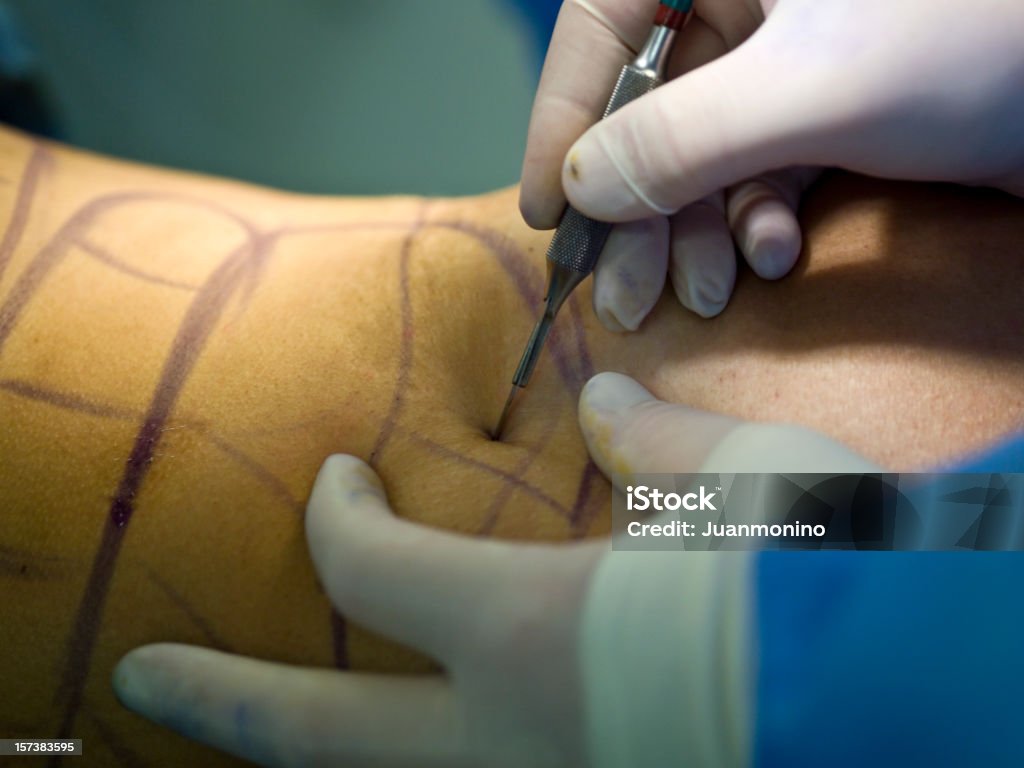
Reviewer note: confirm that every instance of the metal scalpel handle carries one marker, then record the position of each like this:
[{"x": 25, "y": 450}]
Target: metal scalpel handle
[{"x": 579, "y": 240}]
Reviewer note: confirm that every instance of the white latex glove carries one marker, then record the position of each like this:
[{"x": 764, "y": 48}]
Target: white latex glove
[
  {"x": 628, "y": 432},
  {"x": 917, "y": 89}
]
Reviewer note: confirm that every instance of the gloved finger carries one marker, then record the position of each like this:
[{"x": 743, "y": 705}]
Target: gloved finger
[
  {"x": 418, "y": 585},
  {"x": 729, "y": 120},
  {"x": 703, "y": 257},
  {"x": 630, "y": 275},
  {"x": 763, "y": 217},
  {"x": 591, "y": 41},
  {"x": 277, "y": 715},
  {"x": 629, "y": 432},
  {"x": 436, "y": 591}
]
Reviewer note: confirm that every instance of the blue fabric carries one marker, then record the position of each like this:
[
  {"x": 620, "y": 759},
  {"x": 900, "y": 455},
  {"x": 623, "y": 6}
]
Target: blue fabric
[
  {"x": 540, "y": 15},
  {"x": 1007, "y": 456},
  {"x": 892, "y": 659}
]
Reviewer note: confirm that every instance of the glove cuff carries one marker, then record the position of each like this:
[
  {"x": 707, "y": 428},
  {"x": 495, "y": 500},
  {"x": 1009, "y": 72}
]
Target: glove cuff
[{"x": 666, "y": 660}]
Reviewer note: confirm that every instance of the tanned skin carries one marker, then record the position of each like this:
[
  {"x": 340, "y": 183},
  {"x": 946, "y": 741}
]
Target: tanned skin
[{"x": 178, "y": 355}]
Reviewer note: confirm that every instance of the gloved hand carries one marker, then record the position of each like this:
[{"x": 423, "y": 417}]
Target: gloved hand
[
  {"x": 501, "y": 618},
  {"x": 915, "y": 90},
  {"x": 525, "y": 632}
]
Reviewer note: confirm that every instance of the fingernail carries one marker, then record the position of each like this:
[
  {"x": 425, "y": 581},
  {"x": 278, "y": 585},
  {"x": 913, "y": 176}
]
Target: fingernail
[
  {"x": 351, "y": 475},
  {"x": 710, "y": 296},
  {"x": 157, "y": 683},
  {"x": 607, "y": 394},
  {"x": 773, "y": 244},
  {"x": 772, "y": 258},
  {"x": 603, "y": 402},
  {"x": 597, "y": 182},
  {"x": 630, "y": 275},
  {"x": 142, "y": 677},
  {"x": 129, "y": 682},
  {"x": 606, "y": 314},
  {"x": 708, "y": 289},
  {"x": 617, "y": 302}
]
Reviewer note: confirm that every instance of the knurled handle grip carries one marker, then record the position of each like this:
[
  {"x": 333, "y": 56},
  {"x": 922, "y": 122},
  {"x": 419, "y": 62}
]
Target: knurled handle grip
[
  {"x": 579, "y": 240},
  {"x": 631, "y": 85}
]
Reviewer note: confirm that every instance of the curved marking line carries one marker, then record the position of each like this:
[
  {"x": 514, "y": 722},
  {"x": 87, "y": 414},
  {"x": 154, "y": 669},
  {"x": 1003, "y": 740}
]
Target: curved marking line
[
  {"x": 493, "y": 513},
  {"x": 583, "y": 511},
  {"x": 195, "y": 329},
  {"x": 73, "y": 402},
  {"x": 517, "y": 267},
  {"x": 179, "y": 601},
  {"x": 525, "y": 280},
  {"x": 38, "y": 161},
  {"x": 276, "y": 485},
  {"x": 56, "y": 249},
  {"x": 406, "y": 345},
  {"x": 586, "y": 365},
  {"x": 339, "y": 640},
  {"x": 125, "y": 756},
  {"x": 103, "y": 257},
  {"x": 66, "y": 400},
  {"x": 508, "y": 477},
  {"x": 199, "y": 322}
]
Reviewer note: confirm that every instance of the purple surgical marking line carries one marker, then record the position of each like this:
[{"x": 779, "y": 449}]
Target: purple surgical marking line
[
  {"x": 406, "y": 344},
  {"x": 89, "y": 613},
  {"x": 494, "y": 511},
  {"x": 179, "y": 601},
  {"x": 527, "y": 283},
  {"x": 105, "y": 258},
  {"x": 68, "y": 696},
  {"x": 276, "y": 485},
  {"x": 78, "y": 404},
  {"x": 339, "y": 640},
  {"x": 38, "y": 161},
  {"x": 195, "y": 329},
  {"x": 581, "y": 516},
  {"x": 513, "y": 263},
  {"x": 125, "y": 756},
  {"x": 508, "y": 477},
  {"x": 586, "y": 365},
  {"x": 54, "y": 252},
  {"x": 106, "y": 555},
  {"x": 65, "y": 400}
]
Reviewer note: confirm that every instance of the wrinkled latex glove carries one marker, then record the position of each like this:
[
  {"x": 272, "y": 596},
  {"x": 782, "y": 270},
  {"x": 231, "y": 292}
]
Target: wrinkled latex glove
[
  {"x": 501, "y": 618},
  {"x": 920, "y": 89}
]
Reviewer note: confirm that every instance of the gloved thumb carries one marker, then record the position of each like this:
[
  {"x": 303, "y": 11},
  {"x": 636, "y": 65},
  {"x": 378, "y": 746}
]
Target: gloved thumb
[
  {"x": 720, "y": 124},
  {"x": 629, "y": 432}
]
